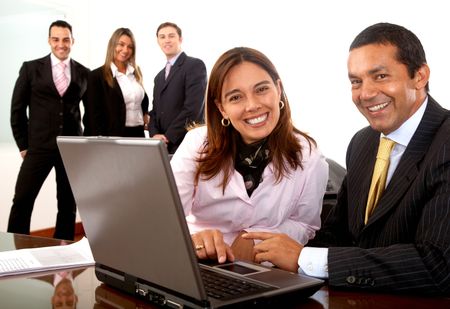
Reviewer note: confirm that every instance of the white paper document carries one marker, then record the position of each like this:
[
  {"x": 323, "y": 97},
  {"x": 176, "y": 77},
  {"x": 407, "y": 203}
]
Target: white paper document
[{"x": 32, "y": 260}]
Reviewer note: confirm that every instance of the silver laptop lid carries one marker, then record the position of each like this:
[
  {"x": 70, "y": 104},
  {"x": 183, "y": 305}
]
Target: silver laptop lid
[{"x": 106, "y": 175}]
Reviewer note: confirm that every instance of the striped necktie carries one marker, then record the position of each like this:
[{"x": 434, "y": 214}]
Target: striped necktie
[
  {"x": 61, "y": 81},
  {"x": 168, "y": 66}
]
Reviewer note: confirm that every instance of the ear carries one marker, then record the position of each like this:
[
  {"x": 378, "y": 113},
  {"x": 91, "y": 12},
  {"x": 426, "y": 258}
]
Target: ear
[
  {"x": 422, "y": 76},
  {"x": 220, "y": 108},
  {"x": 279, "y": 89}
]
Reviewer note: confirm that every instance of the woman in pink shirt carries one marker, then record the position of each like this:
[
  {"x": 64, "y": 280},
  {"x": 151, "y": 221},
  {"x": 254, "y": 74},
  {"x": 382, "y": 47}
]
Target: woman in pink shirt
[{"x": 249, "y": 169}]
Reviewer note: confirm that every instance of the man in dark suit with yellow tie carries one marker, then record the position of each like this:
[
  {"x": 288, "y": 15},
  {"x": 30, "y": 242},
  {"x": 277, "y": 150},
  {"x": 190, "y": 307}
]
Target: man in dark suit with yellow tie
[
  {"x": 45, "y": 104},
  {"x": 396, "y": 239},
  {"x": 179, "y": 90}
]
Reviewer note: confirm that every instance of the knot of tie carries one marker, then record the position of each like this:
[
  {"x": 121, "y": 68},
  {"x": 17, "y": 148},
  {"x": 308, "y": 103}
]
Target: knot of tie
[{"x": 385, "y": 148}]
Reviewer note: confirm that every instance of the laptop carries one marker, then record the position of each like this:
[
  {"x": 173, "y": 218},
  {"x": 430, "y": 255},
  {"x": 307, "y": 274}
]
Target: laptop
[{"x": 133, "y": 218}]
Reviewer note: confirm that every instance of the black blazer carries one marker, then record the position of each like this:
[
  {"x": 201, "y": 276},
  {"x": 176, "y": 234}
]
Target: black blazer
[
  {"x": 179, "y": 100},
  {"x": 405, "y": 245},
  {"x": 105, "y": 110},
  {"x": 49, "y": 114}
]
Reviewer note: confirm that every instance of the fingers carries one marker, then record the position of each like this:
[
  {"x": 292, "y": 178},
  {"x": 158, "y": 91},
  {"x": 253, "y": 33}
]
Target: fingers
[
  {"x": 23, "y": 153},
  {"x": 220, "y": 247},
  {"x": 209, "y": 244},
  {"x": 280, "y": 250}
]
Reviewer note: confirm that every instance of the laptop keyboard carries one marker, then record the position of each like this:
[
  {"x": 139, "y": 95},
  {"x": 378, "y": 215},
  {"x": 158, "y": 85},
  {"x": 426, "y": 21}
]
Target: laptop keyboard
[{"x": 221, "y": 286}]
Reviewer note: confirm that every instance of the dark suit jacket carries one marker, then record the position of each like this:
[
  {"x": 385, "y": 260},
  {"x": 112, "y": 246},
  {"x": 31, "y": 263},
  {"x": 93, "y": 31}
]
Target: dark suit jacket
[
  {"x": 49, "y": 114},
  {"x": 179, "y": 100},
  {"x": 105, "y": 108},
  {"x": 405, "y": 245}
]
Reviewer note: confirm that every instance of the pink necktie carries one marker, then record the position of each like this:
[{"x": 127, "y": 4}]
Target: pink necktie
[
  {"x": 61, "y": 81},
  {"x": 168, "y": 65}
]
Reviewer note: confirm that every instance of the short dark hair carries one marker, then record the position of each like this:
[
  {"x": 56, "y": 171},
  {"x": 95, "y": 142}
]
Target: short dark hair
[
  {"x": 169, "y": 24},
  {"x": 410, "y": 51},
  {"x": 60, "y": 23}
]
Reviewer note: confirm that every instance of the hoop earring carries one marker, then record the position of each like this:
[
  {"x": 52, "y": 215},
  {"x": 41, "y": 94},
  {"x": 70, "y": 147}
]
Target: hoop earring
[
  {"x": 225, "y": 122},
  {"x": 281, "y": 105}
]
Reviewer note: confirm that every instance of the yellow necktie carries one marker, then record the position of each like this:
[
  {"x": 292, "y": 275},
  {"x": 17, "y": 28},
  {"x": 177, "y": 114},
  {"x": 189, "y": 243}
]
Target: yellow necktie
[{"x": 379, "y": 175}]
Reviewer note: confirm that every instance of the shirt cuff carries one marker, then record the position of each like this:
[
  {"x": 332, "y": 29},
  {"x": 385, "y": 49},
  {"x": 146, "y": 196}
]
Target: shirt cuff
[{"x": 314, "y": 262}]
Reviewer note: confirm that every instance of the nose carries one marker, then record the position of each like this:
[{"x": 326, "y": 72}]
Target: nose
[
  {"x": 368, "y": 90},
  {"x": 252, "y": 104}
]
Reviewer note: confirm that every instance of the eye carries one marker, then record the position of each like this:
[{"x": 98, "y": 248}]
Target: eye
[
  {"x": 262, "y": 89},
  {"x": 381, "y": 76},
  {"x": 355, "y": 83},
  {"x": 234, "y": 98}
]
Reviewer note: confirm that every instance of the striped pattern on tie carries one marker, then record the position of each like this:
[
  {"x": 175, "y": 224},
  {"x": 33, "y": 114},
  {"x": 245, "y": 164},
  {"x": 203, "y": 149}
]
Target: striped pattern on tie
[{"x": 61, "y": 80}]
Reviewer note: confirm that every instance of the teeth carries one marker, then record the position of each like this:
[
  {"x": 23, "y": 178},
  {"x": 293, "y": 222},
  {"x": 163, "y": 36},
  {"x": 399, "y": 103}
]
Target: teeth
[
  {"x": 378, "y": 107},
  {"x": 257, "y": 119}
]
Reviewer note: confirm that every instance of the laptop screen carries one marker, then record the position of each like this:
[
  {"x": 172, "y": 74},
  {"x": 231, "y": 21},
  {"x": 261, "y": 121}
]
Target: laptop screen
[{"x": 125, "y": 191}]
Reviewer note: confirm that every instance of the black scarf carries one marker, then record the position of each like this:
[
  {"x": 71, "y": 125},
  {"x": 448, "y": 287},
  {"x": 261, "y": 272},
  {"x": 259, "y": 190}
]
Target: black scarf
[{"x": 250, "y": 162}]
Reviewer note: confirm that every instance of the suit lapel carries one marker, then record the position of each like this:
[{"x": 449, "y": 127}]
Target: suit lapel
[
  {"x": 362, "y": 183},
  {"x": 47, "y": 75},
  {"x": 173, "y": 71},
  {"x": 408, "y": 167}
]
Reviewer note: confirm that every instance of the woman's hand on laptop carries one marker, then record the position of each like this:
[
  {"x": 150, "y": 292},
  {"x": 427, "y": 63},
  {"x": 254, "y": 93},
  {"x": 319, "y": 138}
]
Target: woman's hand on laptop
[{"x": 209, "y": 244}]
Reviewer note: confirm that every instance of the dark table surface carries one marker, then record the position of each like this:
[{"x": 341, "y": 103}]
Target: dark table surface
[{"x": 37, "y": 291}]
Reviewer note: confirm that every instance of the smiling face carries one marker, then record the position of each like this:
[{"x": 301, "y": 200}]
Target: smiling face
[
  {"x": 60, "y": 41},
  {"x": 169, "y": 41},
  {"x": 250, "y": 100},
  {"x": 382, "y": 89},
  {"x": 123, "y": 50}
]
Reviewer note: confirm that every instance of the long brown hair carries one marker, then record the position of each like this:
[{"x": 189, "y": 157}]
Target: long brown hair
[
  {"x": 219, "y": 151},
  {"x": 111, "y": 50}
]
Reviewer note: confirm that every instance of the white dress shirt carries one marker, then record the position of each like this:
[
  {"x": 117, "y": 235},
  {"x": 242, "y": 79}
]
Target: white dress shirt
[
  {"x": 314, "y": 261},
  {"x": 133, "y": 94},
  {"x": 291, "y": 206}
]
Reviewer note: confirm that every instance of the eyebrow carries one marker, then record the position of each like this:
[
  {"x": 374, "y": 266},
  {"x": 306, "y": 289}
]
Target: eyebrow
[
  {"x": 264, "y": 82},
  {"x": 370, "y": 72}
]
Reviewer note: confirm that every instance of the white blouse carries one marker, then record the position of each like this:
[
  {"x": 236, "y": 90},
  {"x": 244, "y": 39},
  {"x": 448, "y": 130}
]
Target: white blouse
[{"x": 133, "y": 94}]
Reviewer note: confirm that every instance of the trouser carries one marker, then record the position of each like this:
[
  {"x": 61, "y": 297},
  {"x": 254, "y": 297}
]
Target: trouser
[
  {"x": 134, "y": 131},
  {"x": 34, "y": 170}
]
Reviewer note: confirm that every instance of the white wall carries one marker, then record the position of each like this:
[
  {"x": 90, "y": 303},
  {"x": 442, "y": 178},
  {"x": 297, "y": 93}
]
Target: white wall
[{"x": 307, "y": 41}]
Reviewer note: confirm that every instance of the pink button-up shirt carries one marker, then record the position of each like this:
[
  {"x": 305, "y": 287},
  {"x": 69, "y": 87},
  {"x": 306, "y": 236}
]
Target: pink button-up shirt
[{"x": 291, "y": 206}]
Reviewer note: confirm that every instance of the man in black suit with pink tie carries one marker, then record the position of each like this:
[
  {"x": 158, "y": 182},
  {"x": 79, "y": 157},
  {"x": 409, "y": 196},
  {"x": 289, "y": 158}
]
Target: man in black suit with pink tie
[
  {"x": 45, "y": 104},
  {"x": 402, "y": 243}
]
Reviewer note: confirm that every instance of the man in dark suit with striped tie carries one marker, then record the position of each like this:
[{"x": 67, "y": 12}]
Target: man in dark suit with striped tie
[
  {"x": 178, "y": 92},
  {"x": 45, "y": 104},
  {"x": 401, "y": 243}
]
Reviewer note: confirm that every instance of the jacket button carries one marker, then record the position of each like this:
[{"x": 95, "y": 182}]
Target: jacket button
[{"x": 351, "y": 279}]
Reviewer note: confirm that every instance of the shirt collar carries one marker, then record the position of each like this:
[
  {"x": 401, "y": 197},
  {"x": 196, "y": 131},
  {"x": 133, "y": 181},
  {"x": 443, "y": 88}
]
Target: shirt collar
[
  {"x": 406, "y": 131},
  {"x": 115, "y": 70},
  {"x": 174, "y": 59},
  {"x": 55, "y": 60}
]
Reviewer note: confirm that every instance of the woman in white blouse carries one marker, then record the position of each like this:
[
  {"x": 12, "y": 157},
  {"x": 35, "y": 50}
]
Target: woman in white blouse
[
  {"x": 249, "y": 169},
  {"x": 117, "y": 104}
]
